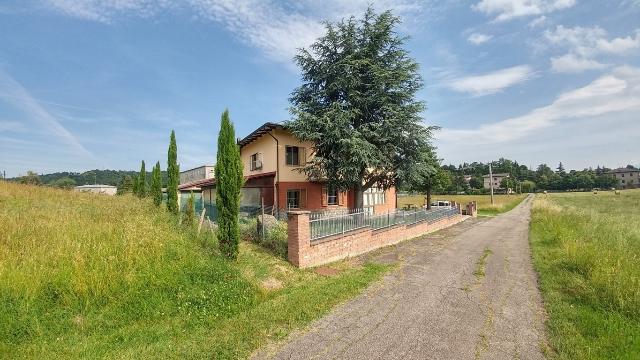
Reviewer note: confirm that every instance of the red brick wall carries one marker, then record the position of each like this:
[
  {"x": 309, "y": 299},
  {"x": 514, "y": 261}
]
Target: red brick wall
[
  {"x": 304, "y": 253},
  {"x": 314, "y": 195}
]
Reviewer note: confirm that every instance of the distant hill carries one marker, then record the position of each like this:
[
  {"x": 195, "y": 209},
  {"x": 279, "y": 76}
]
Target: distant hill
[{"x": 103, "y": 177}]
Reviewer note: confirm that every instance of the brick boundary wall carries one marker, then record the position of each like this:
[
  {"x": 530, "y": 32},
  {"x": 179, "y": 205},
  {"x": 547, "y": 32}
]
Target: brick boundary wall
[{"x": 304, "y": 253}]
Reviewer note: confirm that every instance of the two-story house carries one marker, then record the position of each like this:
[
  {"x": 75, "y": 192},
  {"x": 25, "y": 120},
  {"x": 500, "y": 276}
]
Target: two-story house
[
  {"x": 273, "y": 159},
  {"x": 627, "y": 178},
  {"x": 496, "y": 180}
]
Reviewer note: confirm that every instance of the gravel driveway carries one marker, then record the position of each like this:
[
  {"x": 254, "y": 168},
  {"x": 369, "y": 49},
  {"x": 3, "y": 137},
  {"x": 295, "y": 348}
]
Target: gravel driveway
[{"x": 438, "y": 304}]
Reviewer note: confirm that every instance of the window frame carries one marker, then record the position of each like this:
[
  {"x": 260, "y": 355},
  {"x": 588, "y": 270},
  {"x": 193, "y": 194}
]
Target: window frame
[
  {"x": 298, "y": 154},
  {"x": 253, "y": 159},
  {"x": 332, "y": 192},
  {"x": 292, "y": 191}
]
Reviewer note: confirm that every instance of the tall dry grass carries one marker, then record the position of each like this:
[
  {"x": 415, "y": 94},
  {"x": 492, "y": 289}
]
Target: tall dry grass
[
  {"x": 74, "y": 263},
  {"x": 88, "y": 276}
]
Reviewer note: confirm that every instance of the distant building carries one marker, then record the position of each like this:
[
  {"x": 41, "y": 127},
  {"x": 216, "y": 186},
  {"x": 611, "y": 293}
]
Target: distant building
[
  {"x": 97, "y": 189},
  {"x": 627, "y": 178},
  {"x": 196, "y": 175},
  {"x": 497, "y": 179}
]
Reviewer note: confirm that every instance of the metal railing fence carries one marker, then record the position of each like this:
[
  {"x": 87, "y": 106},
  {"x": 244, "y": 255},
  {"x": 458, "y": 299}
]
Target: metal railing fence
[{"x": 323, "y": 225}]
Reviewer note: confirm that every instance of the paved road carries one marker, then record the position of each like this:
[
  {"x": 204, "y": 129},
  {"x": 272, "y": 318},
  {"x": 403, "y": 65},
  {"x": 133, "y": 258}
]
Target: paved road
[{"x": 434, "y": 307}]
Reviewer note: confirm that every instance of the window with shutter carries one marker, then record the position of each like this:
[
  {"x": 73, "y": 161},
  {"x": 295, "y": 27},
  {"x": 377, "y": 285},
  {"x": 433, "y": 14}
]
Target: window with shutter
[
  {"x": 303, "y": 198},
  {"x": 323, "y": 196}
]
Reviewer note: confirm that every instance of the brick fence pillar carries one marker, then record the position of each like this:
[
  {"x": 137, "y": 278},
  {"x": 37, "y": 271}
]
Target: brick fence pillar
[
  {"x": 472, "y": 209},
  {"x": 299, "y": 237}
]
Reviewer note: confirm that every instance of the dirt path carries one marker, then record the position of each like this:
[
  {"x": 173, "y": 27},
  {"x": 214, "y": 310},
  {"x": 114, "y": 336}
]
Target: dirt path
[{"x": 438, "y": 304}]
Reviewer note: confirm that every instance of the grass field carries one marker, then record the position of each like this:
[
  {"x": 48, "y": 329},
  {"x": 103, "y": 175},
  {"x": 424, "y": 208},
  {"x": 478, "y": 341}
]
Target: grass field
[
  {"x": 502, "y": 203},
  {"x": 91, "y": 276},
  {"x": 586, "y": 250}
]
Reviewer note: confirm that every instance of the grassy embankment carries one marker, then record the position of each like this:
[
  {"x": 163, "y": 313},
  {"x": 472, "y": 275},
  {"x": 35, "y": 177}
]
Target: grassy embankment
[
  {"x": 89, "y": 276},
  {"x": 502, "y": 203},
  {"x": 586, "y": 250}
]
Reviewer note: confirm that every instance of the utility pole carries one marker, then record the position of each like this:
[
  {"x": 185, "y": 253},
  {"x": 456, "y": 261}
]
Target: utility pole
[{"x": 491, "y": 182}]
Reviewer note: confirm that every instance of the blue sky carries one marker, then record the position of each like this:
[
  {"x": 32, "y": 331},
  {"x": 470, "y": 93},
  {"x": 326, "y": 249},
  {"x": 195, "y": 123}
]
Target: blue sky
[{"x": 100, "y": 84}]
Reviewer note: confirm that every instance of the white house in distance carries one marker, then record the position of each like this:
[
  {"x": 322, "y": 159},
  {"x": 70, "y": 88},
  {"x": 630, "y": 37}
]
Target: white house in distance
[
  {"x": 97, "y": 189},
  {"x": 497, "y": 179}
]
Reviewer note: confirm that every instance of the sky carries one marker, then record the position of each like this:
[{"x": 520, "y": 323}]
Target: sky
[{"x": 88, "y": 84}]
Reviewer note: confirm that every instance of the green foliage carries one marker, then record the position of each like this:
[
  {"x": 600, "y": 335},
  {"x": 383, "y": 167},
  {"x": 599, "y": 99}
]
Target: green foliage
[
  {"x": 107, "y": 177},
  {"x": 31, "y": 178},
  {"x": 142, "y": 182},
  {"x": 189, "y": 213},
  {"x": 476, "y": 182},
  {"x": 173, "y": 175},
  {"x": 358, "y": 106},
  {"x": 136, "y": 184},
  {"x": 507, "y": 183},
  {"x": 543, "y": 177},
  {"x": 275, "y": 239},
  {"x": 126, "y": 185},
  {"x": 585, "y": 249},
  {"x": 156, "y": 185},
  {"x": 63, "y": 183},
  {"x": 528, "y": 186},
  {"x": 229, "y": 180}
]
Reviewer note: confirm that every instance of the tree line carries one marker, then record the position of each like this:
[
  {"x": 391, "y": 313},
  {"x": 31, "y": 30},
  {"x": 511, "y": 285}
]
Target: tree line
[
  {"x": 67, "y": 180},
  {"x": 468, "y": 177}
]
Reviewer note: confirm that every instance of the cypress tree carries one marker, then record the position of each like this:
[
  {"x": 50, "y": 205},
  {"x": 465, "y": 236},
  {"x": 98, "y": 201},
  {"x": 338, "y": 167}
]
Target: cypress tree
[
  {"x": 126, "y": 185},
  {"x": 229, "y": 180},
  {"x": 156, "y": 185},
  {"x": 173, "y": 173},
  {"x": 135, "y": 185},
  {"x": 142, "y": 178}
]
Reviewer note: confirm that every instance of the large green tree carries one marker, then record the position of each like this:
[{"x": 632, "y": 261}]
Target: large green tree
[
  {"x": 173, "y": 175},
  {"x": 357, "y": 104},
  {"x": 142, "y": 181},
  {"x": 156, "y": 184},
  {"x": 229, "y": 180}
]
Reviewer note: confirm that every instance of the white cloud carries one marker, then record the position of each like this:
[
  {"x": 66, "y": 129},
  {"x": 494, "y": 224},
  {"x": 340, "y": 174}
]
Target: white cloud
[
  {"x": 584, "y": 44},
  {"x": 504, "y": 10},
  {"x": 492, "y": 82},
  {"x": 104, "y": 10},
  {"x": 276, "y": 28},
  {"x": 570, "y": 63},
  {"x": 13, "y": 126},
  {"x": 477, "y": 38},
  {"x": 618, "y": 91},
  {"x": 539, "y": 21},
  {"x": 17, "y": 95}
]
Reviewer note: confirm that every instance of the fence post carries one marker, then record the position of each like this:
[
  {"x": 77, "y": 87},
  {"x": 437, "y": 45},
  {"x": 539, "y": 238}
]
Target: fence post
[{"x": 298, "y": 237}]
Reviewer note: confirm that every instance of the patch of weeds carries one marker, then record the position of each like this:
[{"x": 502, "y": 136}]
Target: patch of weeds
[{"x": 481, "y": 264}]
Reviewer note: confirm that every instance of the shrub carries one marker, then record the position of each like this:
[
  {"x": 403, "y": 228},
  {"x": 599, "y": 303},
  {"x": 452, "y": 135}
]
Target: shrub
[
  {"x": 248, "y": 228},
  {"x": 189, "y": 215},
  {"x": 275, "y": 239}
]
